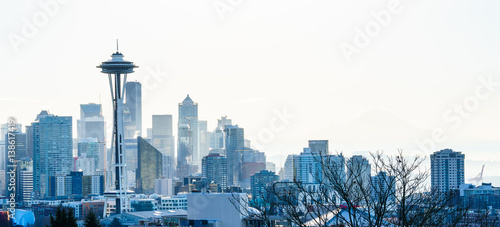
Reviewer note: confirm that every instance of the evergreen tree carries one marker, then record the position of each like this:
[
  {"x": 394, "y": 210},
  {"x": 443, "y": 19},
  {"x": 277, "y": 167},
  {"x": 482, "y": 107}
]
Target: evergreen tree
[
  {"x": 91, "y": 220},
  {"x": 63, "y": 218},
  {"x": 115, "y": 223},
  {"x": 71, "y": 220}
]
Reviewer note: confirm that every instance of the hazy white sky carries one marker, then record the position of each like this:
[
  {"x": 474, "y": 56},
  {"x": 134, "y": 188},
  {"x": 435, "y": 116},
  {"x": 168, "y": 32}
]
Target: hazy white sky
[{"x": 401, "y": 84}]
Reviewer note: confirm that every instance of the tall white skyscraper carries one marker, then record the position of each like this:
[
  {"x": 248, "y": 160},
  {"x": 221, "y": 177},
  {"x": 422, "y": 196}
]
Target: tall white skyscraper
[{"x": 447, "y": 170}]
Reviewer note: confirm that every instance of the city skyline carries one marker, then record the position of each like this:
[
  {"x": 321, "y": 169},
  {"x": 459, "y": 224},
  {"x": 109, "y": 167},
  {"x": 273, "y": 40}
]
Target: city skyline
[
  {"x": 469, "y": 173},
  {"x": 308, "y": 76},
  {"x": 249, "y": 113}
]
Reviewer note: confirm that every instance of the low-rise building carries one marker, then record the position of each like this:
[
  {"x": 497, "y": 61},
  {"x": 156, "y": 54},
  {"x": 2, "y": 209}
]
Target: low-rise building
[
  {"x": 480, "y": 197},
  {"x": 178, "y": 202},
  {"x": 216, "y": 209}
]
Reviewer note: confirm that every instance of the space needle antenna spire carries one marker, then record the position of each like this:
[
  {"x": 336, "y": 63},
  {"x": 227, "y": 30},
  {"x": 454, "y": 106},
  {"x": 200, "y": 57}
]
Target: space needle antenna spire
[{"x": 117, "y": 46}]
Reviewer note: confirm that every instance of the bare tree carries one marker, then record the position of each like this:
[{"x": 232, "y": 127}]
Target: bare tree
[
  {"x": 254, "y": 210},
  {"x": 347, "y": 194}
]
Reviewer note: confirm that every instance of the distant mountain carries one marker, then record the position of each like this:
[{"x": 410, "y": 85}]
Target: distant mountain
[{"x": 374, "y": 129}]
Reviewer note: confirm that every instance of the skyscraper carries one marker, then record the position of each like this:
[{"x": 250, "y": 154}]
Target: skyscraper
[
  {"x": 252, "y": 161},
  {"x": 132, "y": 110},
  {"x": 223, "y": 122},
  {"x": 309, "y": 166},
  {"x": 131, "y": 156},
  {"x": 132, "y": 125},
  {"x": 214, "y": 168},
  {"x": 289, "y": 168},
  {"x": 163, "y": 140},
  {"x": 52, "y": 149},
  {"x": 168, "y": 167},
  {"x": 217, "y": 137},
  {"x": 91, "y": 125},
  {"x": 319, "y": 146},
  {"x": 25, "y": 180},
  {"x": 184, "y": 151},
  {"x": 271, "y": 166},
  {"x": 3, "y": 131},
  {"x": 90, "y": 148},
  {"x": 21, "y": 140},
  {"x": 358, "y": 171},
  {"x": 162, "y": 137},
  {"x": 90, "y": 110},
  {"x": 164, "y": 187},
  {"x": 149, "y": 166},
  {"x": 188, "y": 140},
  {"x": 29, "y": 142},
  {"x": 93, "y": 185},
  {"x": 235, "y": 142},
  {"x": 260, "y": 181},
  {"x": 447, "y": 170},
  {"x": 15, "y": 153},
  {"x": 380, "y": 184},
  {"x": 86, "y": 165},
  {"x": 204, "y": 138}
]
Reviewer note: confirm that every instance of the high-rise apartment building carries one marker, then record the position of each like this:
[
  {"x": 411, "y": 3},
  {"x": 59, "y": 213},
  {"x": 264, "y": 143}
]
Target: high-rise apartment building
[
  {"x": 358, "y": 171},
  {"x": 52, "y": 149},
  {"x": 447, "y": 170},
  {"x": 310, "y": 166},
  {"x": 380, "y": 185},
  {"x": 260, "y": 181},
  {"x": 93, "y": 185},
  {"x": 214, "y": 168}
]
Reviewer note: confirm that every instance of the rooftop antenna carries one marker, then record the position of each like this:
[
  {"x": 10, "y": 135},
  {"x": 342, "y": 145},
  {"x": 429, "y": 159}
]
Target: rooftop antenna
[{"x": 117, "y": 46}]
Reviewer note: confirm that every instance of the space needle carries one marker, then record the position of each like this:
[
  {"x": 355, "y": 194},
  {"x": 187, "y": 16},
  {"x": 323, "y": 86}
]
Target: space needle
[{"x": 117, "y": 69}]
